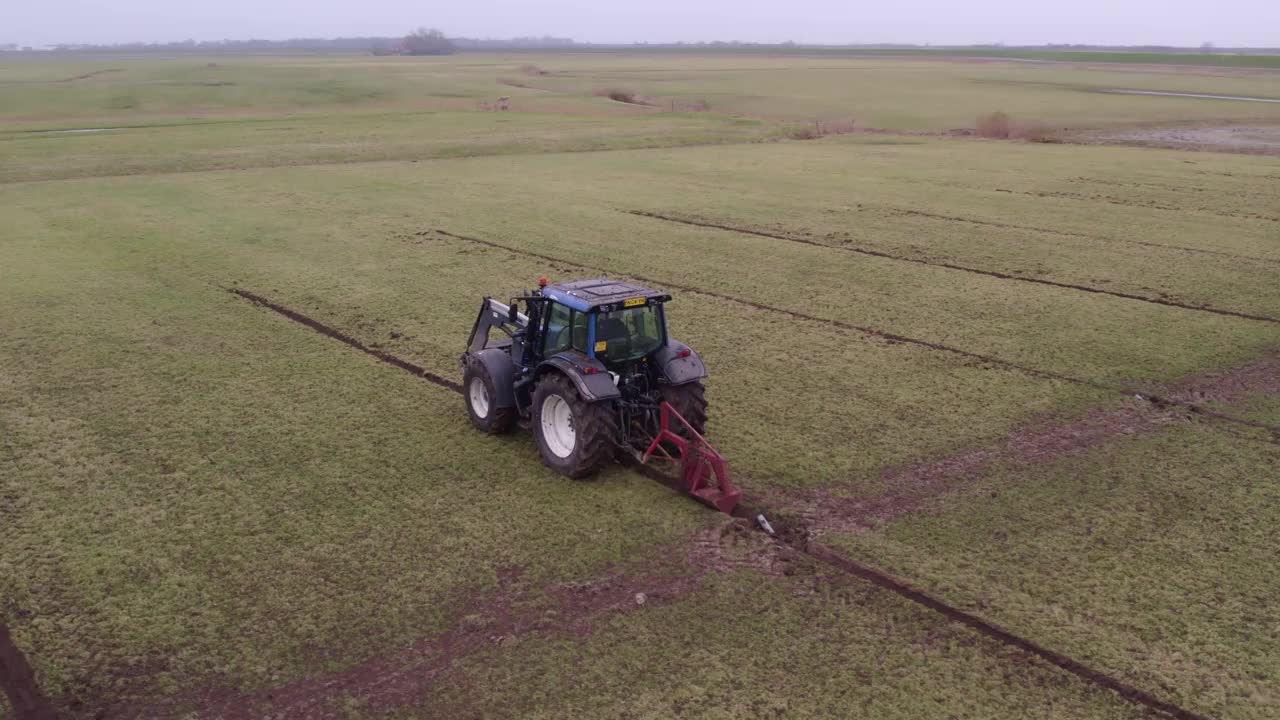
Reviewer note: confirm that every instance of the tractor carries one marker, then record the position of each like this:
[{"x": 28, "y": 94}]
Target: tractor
[{"x": 589, "y": 367}]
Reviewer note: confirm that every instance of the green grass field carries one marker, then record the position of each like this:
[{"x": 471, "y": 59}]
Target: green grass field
[{"x": 211, "y": 511}]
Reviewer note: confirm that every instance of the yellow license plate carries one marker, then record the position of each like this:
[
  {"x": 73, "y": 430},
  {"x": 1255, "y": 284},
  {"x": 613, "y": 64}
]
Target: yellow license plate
[
  {"x": 632, "y": 302},
  {"x": 602, "y": 346}
]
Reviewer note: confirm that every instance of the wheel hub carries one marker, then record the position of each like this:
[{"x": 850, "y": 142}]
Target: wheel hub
[
  {"x": 557, "y": 426},
  {"x": 479, "y": 396}
]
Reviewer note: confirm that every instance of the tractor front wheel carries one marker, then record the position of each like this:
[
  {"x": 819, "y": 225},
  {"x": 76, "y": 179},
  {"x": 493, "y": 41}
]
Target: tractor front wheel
[
  {"x": 574, "y": 436},
  {"x": 481, "y": 397}
]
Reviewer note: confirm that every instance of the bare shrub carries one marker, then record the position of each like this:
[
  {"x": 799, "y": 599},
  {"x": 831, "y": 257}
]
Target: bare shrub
[
  {"x": 823, "y": 128},
  {"x": 805, "y": 132},
  {"x": 1000, "y": 126},
  {"x": 531, "y": 69},
  {"x": 994, "y": 125},
  {"x": 622, "y": 96}
]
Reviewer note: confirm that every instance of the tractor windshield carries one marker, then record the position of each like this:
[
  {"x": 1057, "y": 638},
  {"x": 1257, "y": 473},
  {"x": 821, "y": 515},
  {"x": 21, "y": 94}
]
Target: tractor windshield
[{"x": 629, "y": 334}]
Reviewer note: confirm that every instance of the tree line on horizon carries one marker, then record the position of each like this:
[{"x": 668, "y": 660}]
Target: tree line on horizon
[{"x": 424, "y": 41}]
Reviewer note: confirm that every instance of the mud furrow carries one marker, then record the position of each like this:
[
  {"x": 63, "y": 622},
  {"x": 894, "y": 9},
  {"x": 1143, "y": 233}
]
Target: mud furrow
[
  {"x": 883, "y": 335},
  {"x": 511, "y": 613},
  {"x": 341, "y": 337},
  {"x": 995, "y": 632},
  {"x": 1084, "y": 236},
  {"x": 799, "y": 541},
  {"x": 19, "y": 682},
  {"x": 444, "y": 651},
  {"x": 960, "y": 268},
  {"x": 1144, "y": 205}
]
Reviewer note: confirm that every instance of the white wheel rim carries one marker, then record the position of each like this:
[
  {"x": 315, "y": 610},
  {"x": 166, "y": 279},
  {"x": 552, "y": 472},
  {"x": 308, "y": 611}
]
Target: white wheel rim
[
  {"x": 479, "y": 395},
  {"x": 557, "y": 426}
]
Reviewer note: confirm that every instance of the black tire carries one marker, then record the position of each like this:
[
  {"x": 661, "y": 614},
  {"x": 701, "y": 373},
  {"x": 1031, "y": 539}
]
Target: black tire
[
  {"x": 486, "y": 417},
  {"x": 592, "y": 425},
  {"x": 690, "y": 400}
]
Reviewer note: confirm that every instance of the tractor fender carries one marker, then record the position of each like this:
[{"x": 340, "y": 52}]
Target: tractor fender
[
  {"x": 594, "y": 387},
  {"x": 497, "y": 361},
  {"x": 679, "y": 363}
]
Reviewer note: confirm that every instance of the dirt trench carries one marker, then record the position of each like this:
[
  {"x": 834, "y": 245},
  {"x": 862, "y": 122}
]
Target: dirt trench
[
  {"x": 19, "y": 682},
  {"x": 960, "y": 268},
  {"x": 1084, "y": 236},
  {"x": 891, "y": 338},
  {"x": 341, "y": 337},
  {"x": 399, "y": 680},
  {"x": 1113, "y": 200},
  {"x": 869, "y": 331}
]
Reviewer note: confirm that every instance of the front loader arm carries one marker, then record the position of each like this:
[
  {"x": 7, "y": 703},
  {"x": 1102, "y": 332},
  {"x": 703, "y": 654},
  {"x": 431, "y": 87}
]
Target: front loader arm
[{"x": 494, "y": 314}]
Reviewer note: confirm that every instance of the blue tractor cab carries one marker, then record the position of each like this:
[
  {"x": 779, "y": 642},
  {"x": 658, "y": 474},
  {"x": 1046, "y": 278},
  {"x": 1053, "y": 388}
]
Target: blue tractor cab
[{"x": 589, "y": 366}]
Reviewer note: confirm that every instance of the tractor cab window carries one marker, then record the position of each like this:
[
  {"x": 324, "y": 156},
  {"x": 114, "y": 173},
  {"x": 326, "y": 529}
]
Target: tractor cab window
[
  {"x": 629, "y": 334},
  {"x": 566, "y": 328}
]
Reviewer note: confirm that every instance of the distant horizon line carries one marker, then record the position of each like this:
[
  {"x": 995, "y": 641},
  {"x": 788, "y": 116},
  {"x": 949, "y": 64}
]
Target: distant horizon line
[{"x": 550, "y": 42}]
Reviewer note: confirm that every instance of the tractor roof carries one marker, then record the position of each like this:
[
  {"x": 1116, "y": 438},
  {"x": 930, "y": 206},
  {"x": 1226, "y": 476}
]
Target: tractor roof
[{"x": 601, "y": 294}]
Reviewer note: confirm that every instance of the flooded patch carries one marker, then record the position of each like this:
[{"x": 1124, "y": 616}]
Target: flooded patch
[{"x": 1261, "y": 140}]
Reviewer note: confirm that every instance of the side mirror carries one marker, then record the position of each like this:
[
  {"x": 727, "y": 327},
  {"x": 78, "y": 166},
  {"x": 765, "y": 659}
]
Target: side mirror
[{"x": 513, "y": 312}]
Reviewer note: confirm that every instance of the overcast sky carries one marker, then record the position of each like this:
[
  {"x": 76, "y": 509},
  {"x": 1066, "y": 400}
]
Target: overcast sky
[{"x": 1115, "y": 22}]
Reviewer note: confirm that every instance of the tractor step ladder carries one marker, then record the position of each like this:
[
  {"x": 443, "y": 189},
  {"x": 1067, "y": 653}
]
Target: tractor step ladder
[{"x": 703, "y": 473}]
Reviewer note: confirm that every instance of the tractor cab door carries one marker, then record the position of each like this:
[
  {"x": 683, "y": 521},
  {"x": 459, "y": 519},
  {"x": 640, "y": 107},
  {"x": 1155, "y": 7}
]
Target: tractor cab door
[
  {"x": 565, "y": 329},
  {"x": 526, "y": 350}
]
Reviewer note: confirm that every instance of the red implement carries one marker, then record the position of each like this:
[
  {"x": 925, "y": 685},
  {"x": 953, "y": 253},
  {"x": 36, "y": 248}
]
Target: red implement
[{"x": 702, "y": 471}]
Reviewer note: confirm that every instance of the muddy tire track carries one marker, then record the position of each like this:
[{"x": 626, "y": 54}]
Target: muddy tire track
[
  {"x": 513, "y": 611},
  {"x": 1085, "y": 236},
  {"x": 913, "y": 488},
  {"x": 345, "y": 339},
  {"x": 891, "y": 338},
  {"x": 18, "y": 681},
  {"x": 960, "y": 268}
]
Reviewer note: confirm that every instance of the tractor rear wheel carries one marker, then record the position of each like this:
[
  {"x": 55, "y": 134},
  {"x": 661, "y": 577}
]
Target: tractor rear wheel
[
  {"x": 481, "y": 395},
  {"x": 690, "y": 400},
  {"x": 575, "y": 437}
]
